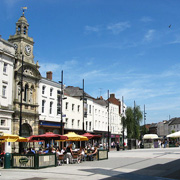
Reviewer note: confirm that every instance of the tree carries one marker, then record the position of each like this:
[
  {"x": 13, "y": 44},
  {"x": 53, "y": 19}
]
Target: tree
[
  {"x": 138, "y": 116},
  {"x": 131, "y": 121}
]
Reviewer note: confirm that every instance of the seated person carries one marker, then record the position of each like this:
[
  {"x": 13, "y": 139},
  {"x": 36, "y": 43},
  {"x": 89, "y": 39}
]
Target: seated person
[{"x": 91, "y": 156}]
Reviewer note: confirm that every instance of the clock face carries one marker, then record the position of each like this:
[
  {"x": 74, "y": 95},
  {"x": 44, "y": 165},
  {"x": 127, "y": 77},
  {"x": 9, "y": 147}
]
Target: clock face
[
  {"x": 28, "y": 50},
  {"x": 15, "y": 46}
]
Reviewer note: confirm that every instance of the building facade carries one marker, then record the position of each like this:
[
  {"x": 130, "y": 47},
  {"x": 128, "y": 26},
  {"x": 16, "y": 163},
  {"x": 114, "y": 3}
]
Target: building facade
[
  {"x": 26, "y": 83},
  {"x": 6, "y": 84}
]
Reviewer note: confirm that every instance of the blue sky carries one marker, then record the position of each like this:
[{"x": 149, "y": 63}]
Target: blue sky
[{"x": 124, "y": 46}]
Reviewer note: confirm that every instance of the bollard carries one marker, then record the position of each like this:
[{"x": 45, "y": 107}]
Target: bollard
[{"x": 7, "y": 161}]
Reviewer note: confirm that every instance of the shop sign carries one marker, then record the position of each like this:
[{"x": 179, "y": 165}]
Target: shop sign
[{"x": 23, "y": 160}]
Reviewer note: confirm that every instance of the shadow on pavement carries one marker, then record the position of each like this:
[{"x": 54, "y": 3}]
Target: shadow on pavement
[{"x": 169, "y": 170}]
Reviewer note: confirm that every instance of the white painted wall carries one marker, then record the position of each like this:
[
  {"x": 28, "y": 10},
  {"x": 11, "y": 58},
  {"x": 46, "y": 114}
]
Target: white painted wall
[{"x": 7, "y": 53}]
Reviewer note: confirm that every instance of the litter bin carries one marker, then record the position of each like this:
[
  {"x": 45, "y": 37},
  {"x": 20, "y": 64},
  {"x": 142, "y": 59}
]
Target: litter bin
[{"x": 7, "y": 161}]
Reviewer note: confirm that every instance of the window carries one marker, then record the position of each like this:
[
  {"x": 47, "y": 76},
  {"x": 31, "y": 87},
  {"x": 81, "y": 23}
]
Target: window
[
  {"x": 43, "y": 89},
  {"x": 5, "y": 68},
  {"x": 78, "y": 123},
  {"x": 72, "y": 107},
  {"x": 89, "y": 109},
  {"x": 43, "y": 106},
  {"x": 4, "y": 88},
  {"x": 66, "y": 105},
  {"x": 78, "y": 108},
  {"x": 58, "y": 102},
  {"x": 72, "y": 122},
  {"x": 95, "y": 111},
  {"x": 86, "y": 125},
  {"x": 66, "y": 122},
  {"x": 50, "y": 109},
  {"x": 51, "y": 91},
  {"x": 90, "y": 126},
  {"x": 25, "y": 93},
  {"x": 3, "y": 122},
  {"x": 25, "y": 30}
]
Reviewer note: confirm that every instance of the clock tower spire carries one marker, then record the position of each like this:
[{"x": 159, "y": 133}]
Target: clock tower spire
[
  {"x": 23, "y": 44},
  {"x": 26, "y": 81}
]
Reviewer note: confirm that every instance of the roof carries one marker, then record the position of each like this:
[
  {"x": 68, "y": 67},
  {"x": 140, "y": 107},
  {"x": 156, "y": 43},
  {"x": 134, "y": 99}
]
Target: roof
[
  {"x": 22, "y": 18},
  {"x": 102, "y": 102},
  {"x": 153, "y": 125},
  {"x": 75, "y": 92},
  {"x": 175, "y": 120}
]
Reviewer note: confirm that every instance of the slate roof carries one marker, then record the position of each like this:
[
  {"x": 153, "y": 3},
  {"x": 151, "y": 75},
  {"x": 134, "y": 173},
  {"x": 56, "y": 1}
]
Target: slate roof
[
  {"x": 76, "y": 92},
  {"x": 102, "y": 102},
  {"x": 175, "y": 120}
]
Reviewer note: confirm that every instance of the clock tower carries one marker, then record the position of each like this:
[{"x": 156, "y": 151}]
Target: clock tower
[{"x": 26, "y": 72}]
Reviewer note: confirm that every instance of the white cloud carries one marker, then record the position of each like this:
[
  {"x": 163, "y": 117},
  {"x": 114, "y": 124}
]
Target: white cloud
[
  {"x": 89, "y": 29},
  {"x": 149, "y": 35},
  {"x": 146, "y": 19},
  {"x": 118, "y": 27}
]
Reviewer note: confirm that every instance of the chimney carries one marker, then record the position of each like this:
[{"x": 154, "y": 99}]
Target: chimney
[
  {"x": 112, "y": 95},
  {"x": 101, "y": 98},
  {"x": 49, "y": 75}
]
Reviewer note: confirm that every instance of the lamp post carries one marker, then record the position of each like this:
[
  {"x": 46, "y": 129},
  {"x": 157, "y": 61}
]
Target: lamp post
[
  {"x": 20, "y": 115},
  {"x": 123, "y": 118},
  {"x": 144, "y": 120},
  {"x": 83, "y": 106},
  {"x": 108, "y": 120},
  {"x": 61, "y": 102}
]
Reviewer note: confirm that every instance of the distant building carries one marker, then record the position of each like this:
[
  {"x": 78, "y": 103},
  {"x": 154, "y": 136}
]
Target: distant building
[
  {"x": 174, "y": 125},
  {"x": 163, "y": 128},
  {"x": 153, "y": 128}
]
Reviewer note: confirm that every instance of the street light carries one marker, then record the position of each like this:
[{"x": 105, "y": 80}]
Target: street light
[
  {"x": 123, "y": 119},
  {"x": 61, "y": 104},
  {"x": 144, "y": 120},
  {"x": 20, "y": 116},
  {"x": 108, "y": 120}
]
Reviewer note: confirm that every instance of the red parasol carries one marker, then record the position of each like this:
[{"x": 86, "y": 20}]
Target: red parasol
[
  {"x": 30, "y": 139},
  {"x": 49, "y": 136},
  {"x": 90, "y": 136}
]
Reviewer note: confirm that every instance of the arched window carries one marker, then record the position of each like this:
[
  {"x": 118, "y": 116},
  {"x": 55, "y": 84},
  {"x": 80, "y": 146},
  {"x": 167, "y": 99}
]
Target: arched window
[
  {"x": 43, "y": 89},
  {"x": 26, "y": 130},
  {"x": 26, "y": 92},
  {"x": 25, "y": 30},
  {"x": 19, "y": 29}
]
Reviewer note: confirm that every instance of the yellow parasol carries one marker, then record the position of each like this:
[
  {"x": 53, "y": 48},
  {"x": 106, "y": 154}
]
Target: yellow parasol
[
  {"x": 4, "y": 137},
  {"x": 72, "y": 136}
]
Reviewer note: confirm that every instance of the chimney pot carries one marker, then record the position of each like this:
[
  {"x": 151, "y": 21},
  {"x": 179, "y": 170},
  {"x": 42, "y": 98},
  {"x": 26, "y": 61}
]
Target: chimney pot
[{"x": 49, "y": 75}]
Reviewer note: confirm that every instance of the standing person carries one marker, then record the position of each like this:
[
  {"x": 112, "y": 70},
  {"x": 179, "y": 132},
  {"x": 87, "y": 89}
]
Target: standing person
[
  {"x": 117, "y": 146},
  {"x": 68, "y": 154}
]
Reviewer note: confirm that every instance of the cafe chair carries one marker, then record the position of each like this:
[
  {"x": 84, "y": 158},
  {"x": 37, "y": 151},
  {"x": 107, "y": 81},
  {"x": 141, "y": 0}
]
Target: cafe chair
[
  {"x": 61, "y": 158},
  {"x": 75, "y": 158}
]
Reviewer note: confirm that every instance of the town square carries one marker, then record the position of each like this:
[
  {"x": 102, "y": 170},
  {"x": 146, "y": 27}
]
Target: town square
[{"x": 89, "y": 89}]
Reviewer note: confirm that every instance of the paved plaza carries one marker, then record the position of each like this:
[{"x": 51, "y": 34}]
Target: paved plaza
[{"x": 138, "y": 164}]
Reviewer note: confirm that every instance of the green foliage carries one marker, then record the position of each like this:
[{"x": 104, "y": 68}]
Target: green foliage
[
  {"x": 173, "y": 131},
  {"x": 132, "y": 122}
]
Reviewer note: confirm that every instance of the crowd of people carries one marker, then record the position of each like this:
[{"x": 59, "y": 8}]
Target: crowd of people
[{"x": 68, "y": 154}]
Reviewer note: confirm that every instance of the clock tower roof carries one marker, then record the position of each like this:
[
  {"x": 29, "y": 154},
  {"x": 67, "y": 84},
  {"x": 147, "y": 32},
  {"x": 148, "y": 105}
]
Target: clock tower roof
[{"x": 22, "y": 19}]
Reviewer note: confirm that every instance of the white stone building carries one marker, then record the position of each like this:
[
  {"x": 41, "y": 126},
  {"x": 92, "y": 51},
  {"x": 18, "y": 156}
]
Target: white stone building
[
  {"x": 49, "y": 105},
  {"x": 7, "y": 53}
]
